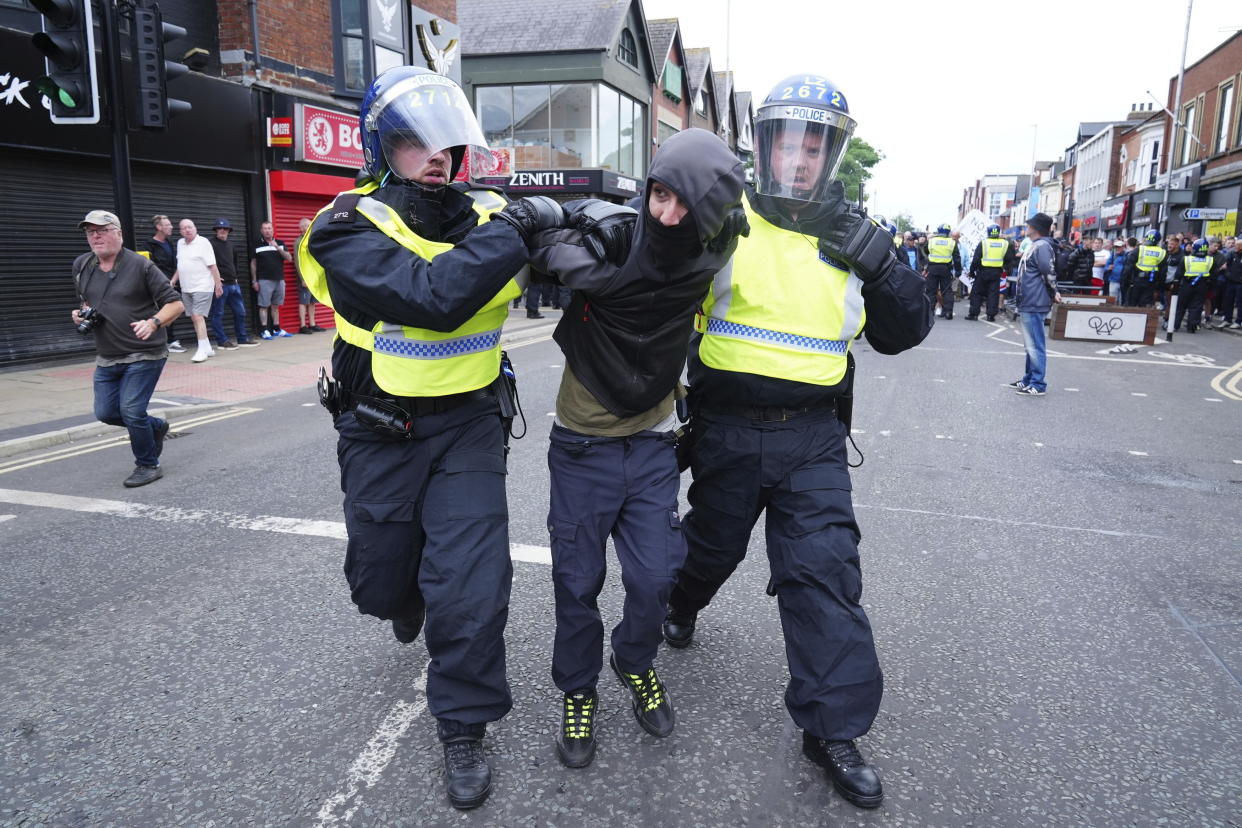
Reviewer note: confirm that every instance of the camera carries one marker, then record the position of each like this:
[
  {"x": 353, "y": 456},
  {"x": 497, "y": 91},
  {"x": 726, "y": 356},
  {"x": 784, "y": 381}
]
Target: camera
[{"x": 90, "y": 320}]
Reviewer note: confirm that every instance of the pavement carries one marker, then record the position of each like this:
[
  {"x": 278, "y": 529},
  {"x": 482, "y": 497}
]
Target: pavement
[
  {"x": 52, "y": 404},
  {"x": 1055, "y": 586}
]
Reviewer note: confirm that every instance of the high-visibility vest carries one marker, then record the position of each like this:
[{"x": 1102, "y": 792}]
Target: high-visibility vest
[
  {"x": 779, "y": 308},
  {"x": 1197, "y": 267},
  {"x": 1150, "y": 257},
  {"x": 416, "y": 362},
  {"x": 940, "y": 249},
  {"x": 994, "y": 251}
]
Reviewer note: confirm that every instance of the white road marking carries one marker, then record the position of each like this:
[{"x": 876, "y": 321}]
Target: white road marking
[
  {"x": 886, "y": 434},
  {"x": 986, "y": 519},
  {"x": 231, "y": 520},
  {"x": 881, "y": 377},
  {"x": 857, "y": 431},
  {"x": 166, "y": 402},
  {"x": 1237, "y": 462},
  {"x": 550, "y": 414},
  {"x": 1071, "y": 389},
  {"x": 307, "y": 405},
  {"x": 1139, "y": 453},
  {"x": 3, "y": 518},
  {"x": 940, "y": 380},
  {"x": 369, "y": 765},
  {"x": 530, "y": 554},
  {"x": 1212, "y": 399},
  {"x": 1039, "y": 445},
  {"x": 109, "y": 442},
  {"x": 1137, "y": 394}
]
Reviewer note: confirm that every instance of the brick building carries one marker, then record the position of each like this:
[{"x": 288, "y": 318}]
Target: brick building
[
  {"x": 272, "y": 133},
  {"x": 670, "y": 95},
  {"x": 1209, "y": 163}
]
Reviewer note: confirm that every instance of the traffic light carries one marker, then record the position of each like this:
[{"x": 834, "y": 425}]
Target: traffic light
[
  {"x": 68, "y": 45},
  {"x": 154, "y": 72}
]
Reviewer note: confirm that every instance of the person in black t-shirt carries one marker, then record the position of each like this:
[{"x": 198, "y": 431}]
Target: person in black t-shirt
[
  {"x": 226, "y": 263},
  {"x": 163, "y": 251},
  {"x": 267, "y": 278}
]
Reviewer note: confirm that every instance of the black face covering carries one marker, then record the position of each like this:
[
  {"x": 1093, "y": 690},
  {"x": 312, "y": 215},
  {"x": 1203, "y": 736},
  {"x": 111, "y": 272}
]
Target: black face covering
[{"x": 670, "y": 247}]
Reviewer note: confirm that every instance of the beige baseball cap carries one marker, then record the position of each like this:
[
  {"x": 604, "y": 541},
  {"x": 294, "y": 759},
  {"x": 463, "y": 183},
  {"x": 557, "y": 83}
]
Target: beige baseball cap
[{"x": 100, "y": 218}]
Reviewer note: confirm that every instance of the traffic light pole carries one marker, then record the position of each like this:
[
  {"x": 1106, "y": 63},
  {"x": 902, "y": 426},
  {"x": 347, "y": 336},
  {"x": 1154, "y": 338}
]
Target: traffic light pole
[{"x": 121, "y": 186}]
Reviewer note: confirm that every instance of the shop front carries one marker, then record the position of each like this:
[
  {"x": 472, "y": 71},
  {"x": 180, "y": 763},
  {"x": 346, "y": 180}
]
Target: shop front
[
  {"x": 199, "y": 168},
  {"x": 1114, "y": 214}
]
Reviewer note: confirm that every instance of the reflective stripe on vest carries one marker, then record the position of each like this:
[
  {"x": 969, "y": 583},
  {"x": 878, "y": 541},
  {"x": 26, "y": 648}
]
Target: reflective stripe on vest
[
  {"x": 416, "y": 362},
  {"x": 1150, "y": 257},
  {"x": 940, "y": 249},
  {"x": 780, "y": 309},
  {"x": 994, "y": 251},
  {"x": 1197, "y": 267}
]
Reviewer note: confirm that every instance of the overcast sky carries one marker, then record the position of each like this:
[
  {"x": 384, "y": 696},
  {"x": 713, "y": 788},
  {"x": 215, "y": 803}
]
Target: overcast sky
[{"x": 1004, "y": 66}]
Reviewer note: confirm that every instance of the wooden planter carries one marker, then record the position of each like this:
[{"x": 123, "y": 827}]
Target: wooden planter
[{"x": 1105, "y": 322}]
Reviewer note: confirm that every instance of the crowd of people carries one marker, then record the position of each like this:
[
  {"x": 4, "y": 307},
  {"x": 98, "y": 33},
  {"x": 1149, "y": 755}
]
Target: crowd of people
[
  {"x": 1209, "y": 293},
  {"x": 205, "y": 272}
]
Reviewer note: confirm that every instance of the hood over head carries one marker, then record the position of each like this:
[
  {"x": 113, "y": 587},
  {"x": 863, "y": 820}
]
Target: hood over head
[{"x": 707, "y": 177}]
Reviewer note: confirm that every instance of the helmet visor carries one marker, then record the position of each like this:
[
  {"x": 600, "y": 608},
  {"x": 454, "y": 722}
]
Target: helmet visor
[
  {"x": 420, "y": 117},
  {"x": 798, "y": 150}
]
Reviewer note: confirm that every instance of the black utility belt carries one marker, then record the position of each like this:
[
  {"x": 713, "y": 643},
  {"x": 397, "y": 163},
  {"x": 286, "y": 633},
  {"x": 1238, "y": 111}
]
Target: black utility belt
[{"x": 769, "y": 414}]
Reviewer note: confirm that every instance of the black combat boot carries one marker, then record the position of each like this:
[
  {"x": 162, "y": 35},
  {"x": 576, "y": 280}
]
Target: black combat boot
[
  {"x": 853, "y": 778},
  {"x": 467, "y": 776},
  {"x": 679, "y": 627},
  {"x": 651, "y": 705},
  {"x": 575, "y": 743}
]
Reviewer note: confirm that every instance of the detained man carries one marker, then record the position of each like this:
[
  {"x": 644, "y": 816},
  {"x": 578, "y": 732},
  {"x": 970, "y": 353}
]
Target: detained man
[{"x": 612, "y": 458}]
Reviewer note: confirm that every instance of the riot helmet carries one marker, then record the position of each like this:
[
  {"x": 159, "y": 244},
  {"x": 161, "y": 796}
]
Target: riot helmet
[
  {"x": 1151, "y": 237},
  {"x": 410, "y": 113},
  {"x": 944, "y": 230},
  {"x": 1199, "y": 248},
  {"x": 993, "y": 231},
  {"x": 802, "y": 129}
]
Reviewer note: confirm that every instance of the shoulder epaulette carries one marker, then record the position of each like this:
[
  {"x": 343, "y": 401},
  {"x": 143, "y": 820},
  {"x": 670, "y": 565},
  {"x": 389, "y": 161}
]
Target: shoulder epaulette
[{"x": 345, "y": 208}]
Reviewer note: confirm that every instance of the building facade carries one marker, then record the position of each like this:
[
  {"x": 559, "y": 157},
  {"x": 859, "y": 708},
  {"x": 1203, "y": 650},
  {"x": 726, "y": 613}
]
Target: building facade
[{"x": 1207, "y": 152}]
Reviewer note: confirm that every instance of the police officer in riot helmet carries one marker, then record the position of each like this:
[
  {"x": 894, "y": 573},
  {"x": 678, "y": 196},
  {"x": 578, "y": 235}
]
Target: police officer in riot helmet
[
  {"x": 420, "y": 281},
  {"x": 770, "y": 378}
]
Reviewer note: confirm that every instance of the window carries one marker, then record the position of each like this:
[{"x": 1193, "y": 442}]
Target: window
[
  {"x": 609, "y": 130},
  {"x": 664, "y": 132},
  {"x": 564, "y": 125},
  {"x": 672, "y": 81},
  {"x": 531, "y": 127},
  {"x": 372, "y": 40},
  {"x": 699, "y": 105},
  {"x": 1223, "y": 110},
  {"x": 1188, "y": 119},
  {"x": 351, "y": 45},
  {"x": 627, "y": 49},
  {"x": 572, "y": 110}
]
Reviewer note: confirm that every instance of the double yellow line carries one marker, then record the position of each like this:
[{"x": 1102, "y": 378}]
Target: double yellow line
[
  {"x": 1228, "y": 386},
  {"x": 111, "y": 442}
]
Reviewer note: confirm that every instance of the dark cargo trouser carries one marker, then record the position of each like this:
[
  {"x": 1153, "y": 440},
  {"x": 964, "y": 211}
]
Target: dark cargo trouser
[
  {"x": 940, "y": 277},
  {"x": 430, "y": 515},
  {"x": 986, "y": 289},
  {"x": 796, "y": 470},
  {"x": 1190, "y": 299},
  {"x": 625, "y": 487}
]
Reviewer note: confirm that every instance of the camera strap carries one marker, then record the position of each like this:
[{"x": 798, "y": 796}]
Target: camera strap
[{"x": 92, "y": 262}]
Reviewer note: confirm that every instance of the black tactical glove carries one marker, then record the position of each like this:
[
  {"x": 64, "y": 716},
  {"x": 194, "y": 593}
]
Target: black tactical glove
[
  {"x": 735, "y": 224},
  {"x": 862, "y": 244},
  {"x": 532, "y": 215},
  {"x": 607, "y": 229}
]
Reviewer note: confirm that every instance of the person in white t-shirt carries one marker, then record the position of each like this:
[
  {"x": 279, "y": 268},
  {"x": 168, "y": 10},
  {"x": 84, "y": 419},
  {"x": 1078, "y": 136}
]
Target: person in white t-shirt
[
  {"x": 1100, "y": 261},
  {"x": 199, "y": 282}
]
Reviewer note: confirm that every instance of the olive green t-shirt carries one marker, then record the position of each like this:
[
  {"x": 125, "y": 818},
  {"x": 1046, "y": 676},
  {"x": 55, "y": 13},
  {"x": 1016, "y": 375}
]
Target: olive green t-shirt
[{"x": 578, "y": 410}]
